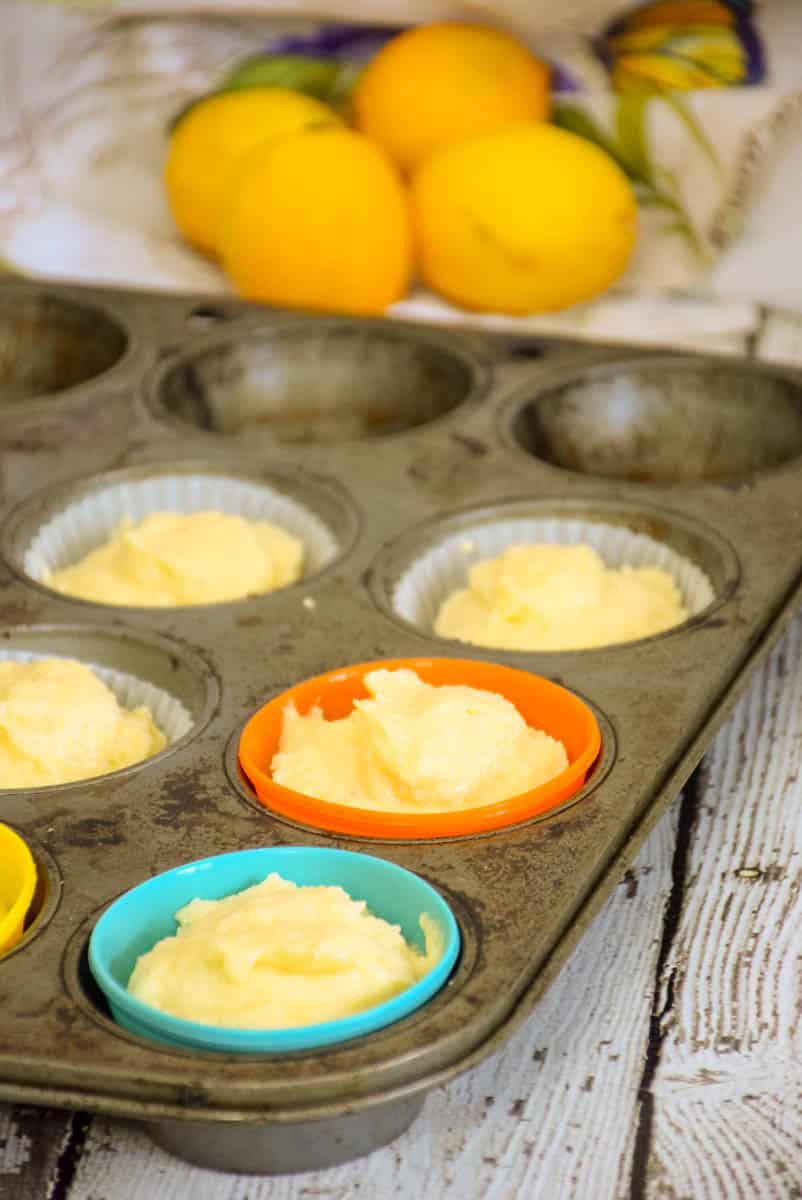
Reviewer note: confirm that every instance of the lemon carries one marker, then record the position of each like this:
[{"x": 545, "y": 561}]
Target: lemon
[
  {"x": 210, "y": 138},
  {"x": 529, "y": 219},
  {"x": 438, "y": 84},
  {"x": 319, "y": 220}
]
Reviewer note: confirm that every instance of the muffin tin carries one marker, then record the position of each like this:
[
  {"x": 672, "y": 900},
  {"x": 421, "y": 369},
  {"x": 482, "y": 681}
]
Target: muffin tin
[{"x": 395, "y": 438}]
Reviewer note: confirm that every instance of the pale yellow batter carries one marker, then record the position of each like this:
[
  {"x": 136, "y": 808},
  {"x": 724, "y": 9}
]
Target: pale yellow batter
[
  {"x": 277, "y": 955},
  {"x": 413, "y": 747},
  {"x": 171, "y": 559},
  {"x": 59, "y": 722},
  {"x": 554, "y": 597}
]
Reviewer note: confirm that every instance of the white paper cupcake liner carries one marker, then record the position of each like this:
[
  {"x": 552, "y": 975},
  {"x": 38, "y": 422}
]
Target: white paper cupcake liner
[
  {"x": 443, "y": 569},
  {"x": 83, "y": 526},
  {"x": 168, "y": 713}
]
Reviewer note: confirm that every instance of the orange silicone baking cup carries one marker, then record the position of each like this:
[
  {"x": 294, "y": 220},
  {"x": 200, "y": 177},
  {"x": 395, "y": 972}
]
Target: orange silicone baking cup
[{"x": 542, "y": 704}]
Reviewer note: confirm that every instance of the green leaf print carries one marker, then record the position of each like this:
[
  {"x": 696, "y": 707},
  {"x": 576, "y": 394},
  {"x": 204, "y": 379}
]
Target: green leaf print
[
  {"x": 693, "y": 127},
  {"x": 329, "y": 82},
  {"x": 631, "y": 137},
  {"x": 314, "y": 77},
  {"x": 577, "y": 121}
]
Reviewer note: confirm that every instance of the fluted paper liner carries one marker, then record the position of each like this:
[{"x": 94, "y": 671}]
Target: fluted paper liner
[
  {"x": 168, "y": 713},
  {"x": 443, "y": 569},
  {"x": 89, "y": 522}
]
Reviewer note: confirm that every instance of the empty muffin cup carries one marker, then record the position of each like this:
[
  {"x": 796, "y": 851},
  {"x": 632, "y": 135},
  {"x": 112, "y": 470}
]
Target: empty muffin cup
[
  {"x": 663, "y": 420},
  {"x": 442, "y": 569},
  {"x": 142, "y": 917},
  {"x": 17, "y": 887},
  {"x": 544, "y": 705},
  {"x": 316, "y": 382},
  {"x": 89, "y": 522},
  {"x": 49, "y": 343}
]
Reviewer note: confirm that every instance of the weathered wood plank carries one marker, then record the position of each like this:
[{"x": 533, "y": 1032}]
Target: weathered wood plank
[
  {"x": 728, "y": 1087},
  {"x": 38, "y": 1151},
  {"x": 554, "y": 1114}
]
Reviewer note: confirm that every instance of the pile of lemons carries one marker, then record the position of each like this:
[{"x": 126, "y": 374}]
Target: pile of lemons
[{"x": 446, "y": 169}]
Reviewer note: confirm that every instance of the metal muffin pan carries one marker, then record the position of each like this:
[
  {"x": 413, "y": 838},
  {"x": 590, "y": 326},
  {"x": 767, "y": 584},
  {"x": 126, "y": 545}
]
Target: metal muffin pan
[
  {"x": 446, "y": 547},
  {"x": 663, "y": 422},
  {"x": 455, "y": 438},
  {"x": 50, "y": 345},
  {"x": 268, "y": 385},
  {"x": 60, "y": 524}
]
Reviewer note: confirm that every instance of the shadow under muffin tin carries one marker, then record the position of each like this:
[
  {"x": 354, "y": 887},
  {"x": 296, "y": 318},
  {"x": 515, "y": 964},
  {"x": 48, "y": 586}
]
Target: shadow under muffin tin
[{"x": 395, "y": 438}]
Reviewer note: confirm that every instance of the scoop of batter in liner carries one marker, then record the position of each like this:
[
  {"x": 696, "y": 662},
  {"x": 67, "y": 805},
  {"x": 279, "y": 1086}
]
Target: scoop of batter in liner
[
  {"x": 172, "y": 559},
  {"x": 558, "y": 597},
  {"x": 59, "y": 722}
]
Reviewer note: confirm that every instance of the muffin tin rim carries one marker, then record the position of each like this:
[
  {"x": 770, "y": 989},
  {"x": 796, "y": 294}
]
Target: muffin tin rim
[
  {"x": 597, "y": 773},
  {"x": 239, "y": 469},
  {"x": 558, "y": 374},
  {"x": 90, "y": 302},
  {"x": 74, "y": 956},
  {"x": 191, "y": 657},
  {"x": 477, "y": 361},
  {"x": 381, "y": 584}
]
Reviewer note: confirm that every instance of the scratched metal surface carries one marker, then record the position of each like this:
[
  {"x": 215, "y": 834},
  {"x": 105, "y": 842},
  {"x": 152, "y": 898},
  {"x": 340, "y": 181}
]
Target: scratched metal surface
[{"x": 167, "y": 371}]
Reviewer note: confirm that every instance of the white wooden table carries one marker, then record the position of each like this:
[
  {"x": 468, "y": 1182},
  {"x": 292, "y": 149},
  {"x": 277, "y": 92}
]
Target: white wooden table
[{"x": 663, "y": 1063}]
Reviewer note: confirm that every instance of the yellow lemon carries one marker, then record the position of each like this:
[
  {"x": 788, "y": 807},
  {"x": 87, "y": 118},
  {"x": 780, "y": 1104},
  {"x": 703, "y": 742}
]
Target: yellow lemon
[
  {"x": 319, "y": 220},
  {"x": 438, "y": 84},
  {"x": 210, "y": 138},
  {"x": 528, "y": 219}
]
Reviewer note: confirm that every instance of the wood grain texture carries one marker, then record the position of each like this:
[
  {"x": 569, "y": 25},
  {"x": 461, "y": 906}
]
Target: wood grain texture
[
  {"x": 728, "y": 1087},
  {"x": 552, "y": 1115},
  {"x": 35, "y": 1152}
]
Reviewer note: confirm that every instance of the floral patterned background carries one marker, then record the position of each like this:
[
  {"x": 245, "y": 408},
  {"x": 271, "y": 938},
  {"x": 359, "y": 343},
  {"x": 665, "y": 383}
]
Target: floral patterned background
[{"x": 700, "y": 101}]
